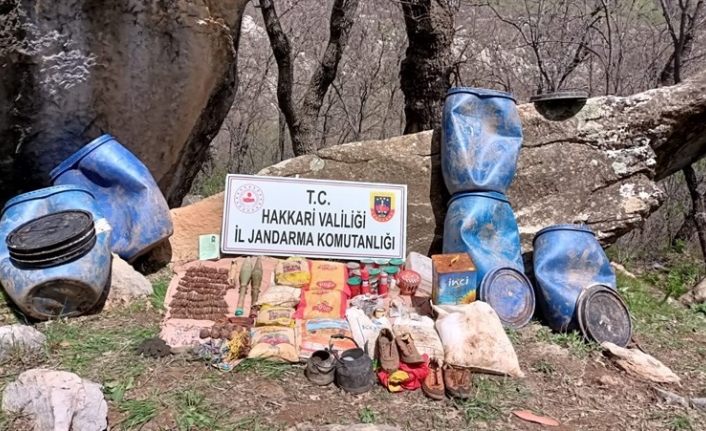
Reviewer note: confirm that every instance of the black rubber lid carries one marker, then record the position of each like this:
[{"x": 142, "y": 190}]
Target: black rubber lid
[
  {"x": 50, "y": 231},
  {"x": 52, "y": 239},
  {"x": 568, "y": 95},
  {"x": 560, "y": 105},
  {"x": 603, "y": 316}
]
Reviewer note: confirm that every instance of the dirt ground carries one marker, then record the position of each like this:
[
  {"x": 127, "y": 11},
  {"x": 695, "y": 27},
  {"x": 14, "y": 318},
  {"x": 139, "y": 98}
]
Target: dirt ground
[{"x": 566, "y": 378}]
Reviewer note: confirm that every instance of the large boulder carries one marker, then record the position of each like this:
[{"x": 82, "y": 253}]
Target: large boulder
[
  {"x": 160, "y": 76},
  {"x": 598, "y": 168},
  {"x": 56, "y": 401}
]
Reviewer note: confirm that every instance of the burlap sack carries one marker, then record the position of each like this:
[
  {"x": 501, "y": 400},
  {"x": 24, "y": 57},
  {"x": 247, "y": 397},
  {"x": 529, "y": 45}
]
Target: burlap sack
[{"x": 473, "y": 337}]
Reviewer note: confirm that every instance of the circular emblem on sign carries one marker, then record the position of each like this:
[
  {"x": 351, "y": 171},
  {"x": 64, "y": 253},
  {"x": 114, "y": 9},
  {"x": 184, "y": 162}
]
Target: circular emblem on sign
[{"x": 249, "y": 198}]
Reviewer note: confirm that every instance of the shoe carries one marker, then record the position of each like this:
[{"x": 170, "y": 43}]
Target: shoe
[
  {"x": 387, "y": 353},
  {"x": 408, "y": 352},
  {"x": 433, "y": 384},
  {"x": 458, "y": 382},
  {"x": 320, "y": 368}
]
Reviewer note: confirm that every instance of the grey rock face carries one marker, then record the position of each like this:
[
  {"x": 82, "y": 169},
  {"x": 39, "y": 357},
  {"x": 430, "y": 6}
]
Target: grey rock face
[
  {"x": 158, "y": 76},
  {"x": 20, "y": 340},
  {"x": 57, "y": 401},
  {"x": 597, "y": 168},
  {"x": 126, "y": 284}
]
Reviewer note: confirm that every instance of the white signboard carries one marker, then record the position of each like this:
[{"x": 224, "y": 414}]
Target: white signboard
[{"x": 315, "y": 218}]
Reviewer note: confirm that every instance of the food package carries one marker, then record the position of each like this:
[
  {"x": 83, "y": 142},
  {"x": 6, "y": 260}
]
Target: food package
[
  {"x": 293, "y": 272},
  {"x": 476, "y": 325},
  {"x": 329, "y": 276},
  {"x": 423, "y": 266},
  {"x": 275, "y": 316},
  {"x": 364, "y": 329},
  {"x": 315, "y": 335},
  {"x": 280, "y": 296},
  {"x": 274, "y": 342},
  {"x": 425, "y": 337},
  {"x": 322, "y": 304}
]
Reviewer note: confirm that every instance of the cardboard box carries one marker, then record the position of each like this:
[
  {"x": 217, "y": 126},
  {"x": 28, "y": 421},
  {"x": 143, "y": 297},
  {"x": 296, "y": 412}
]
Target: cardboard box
[{"x": 454, "y": 279}]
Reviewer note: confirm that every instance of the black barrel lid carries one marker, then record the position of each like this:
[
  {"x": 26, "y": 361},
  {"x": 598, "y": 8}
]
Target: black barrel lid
[
  {"x": 559, "y": 105},
  {"x": 567, "y": 95},
  {"x": 510, "y": 293},
  {"x": 47, "y": 260},
  {"x": 52, "y": 239},
  {"x": 50, "y": 232},
  {"x": 603, "y": 316}
]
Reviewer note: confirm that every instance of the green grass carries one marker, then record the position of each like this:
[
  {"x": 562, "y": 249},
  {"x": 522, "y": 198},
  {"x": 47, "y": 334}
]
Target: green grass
[
  {"x": 668, "y": 324},
  {"x": 250, "y": 423},
  {"x": 679, "y": 423},
  {"x": 194, "y": 412},
  {"x": 269, "y": 369},
  {"x": 513, "y": 335},
  {"x": 366, "y": 415},
  {"x": 572, "y": 341},
  {"x": 544, "y": 367},
  {"x": 492, "y": 398},
  {"x": 159, "y": 292},
  {"x": 80, "y": 346},
  {"x": 139, "y": 412}
]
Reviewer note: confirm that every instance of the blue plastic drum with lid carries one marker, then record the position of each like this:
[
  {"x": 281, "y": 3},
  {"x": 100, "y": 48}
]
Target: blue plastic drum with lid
[
  {"x": 483, "y": 225},
  {"x": 125, "y": 191},
  {"x": 576, "y": 286},
  {"x": 69, "y": 283}
]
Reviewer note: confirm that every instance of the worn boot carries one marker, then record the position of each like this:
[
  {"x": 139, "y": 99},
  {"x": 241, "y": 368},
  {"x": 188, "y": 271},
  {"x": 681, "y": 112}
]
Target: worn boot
[
  {"x": 387, "y": 354},
  {"x": 458, "y": 382},
  {"x": 408, "y": 351},
  {"x": 433, "y": 384}
]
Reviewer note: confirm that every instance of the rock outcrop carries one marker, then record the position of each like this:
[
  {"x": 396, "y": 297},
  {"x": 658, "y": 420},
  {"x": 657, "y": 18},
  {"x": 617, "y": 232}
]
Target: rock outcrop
[
  {"x": 598, "y": 168},
  {"x": 126, "y": 284},
  {"x": 56, "y": 401},
  {"x": 158, "y": 76},
  {"x": 22, "y": 341}
]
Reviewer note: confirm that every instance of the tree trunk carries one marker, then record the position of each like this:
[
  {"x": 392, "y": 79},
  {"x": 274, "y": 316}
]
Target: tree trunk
[
  {"x": 302, "y": 121},
  {"x": 428, "y": 62},
  {"x": 683, "y": 37},
  {"x": 686, "y": 230},
  {"x": 699, "y": 208}
]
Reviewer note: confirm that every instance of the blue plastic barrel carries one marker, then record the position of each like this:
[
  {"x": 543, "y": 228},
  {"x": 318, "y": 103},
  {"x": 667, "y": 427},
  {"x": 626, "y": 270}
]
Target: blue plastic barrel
[
  {"x": 483, "y": 225},
  {"x": 68, "y": 289},
  {"x": 481, "y": 136},
  {"x": 125, "y": 191},
  {"x": 576, "y": 286}
]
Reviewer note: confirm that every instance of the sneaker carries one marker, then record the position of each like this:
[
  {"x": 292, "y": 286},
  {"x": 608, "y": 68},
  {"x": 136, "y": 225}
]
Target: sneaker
[
  {"x": 458, "y": 382},
  {"x": 433, "y": 384},
  {"x": 387, "y": 354},
  {"x": 320, "y": 368},
  {"x": 408, "y": 352}
]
